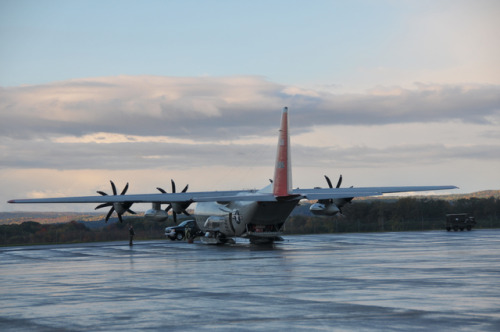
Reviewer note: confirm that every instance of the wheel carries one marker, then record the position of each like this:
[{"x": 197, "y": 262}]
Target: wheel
[{"x": 179, "y": 236}]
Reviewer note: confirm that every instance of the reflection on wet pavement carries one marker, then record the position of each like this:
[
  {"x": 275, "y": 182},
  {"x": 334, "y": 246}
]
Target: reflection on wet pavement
[{"x": 379, "y": 281}]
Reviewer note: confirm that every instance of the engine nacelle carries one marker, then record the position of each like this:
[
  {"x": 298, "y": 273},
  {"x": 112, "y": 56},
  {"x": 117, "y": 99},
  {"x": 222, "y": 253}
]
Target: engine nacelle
[
  {"x": 321, "y": 209},
  {"x": 156, "y": 215}
]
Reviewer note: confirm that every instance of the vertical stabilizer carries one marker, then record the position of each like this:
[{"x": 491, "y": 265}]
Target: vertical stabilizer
[{"x": 283, "y": 168}]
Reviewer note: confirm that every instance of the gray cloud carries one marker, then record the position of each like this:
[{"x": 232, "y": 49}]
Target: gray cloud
[
  {"x": 149, "y": 155},
  {"x": 129, "y": 155},
  {"x": 397, "y": 155},
  {"x": 221, "y": 108},
  {"x": 208, "y": 111}
]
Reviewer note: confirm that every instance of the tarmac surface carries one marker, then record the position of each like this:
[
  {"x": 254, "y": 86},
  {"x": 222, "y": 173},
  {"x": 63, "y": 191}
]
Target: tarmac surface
[{"x": 411, "y": 281}]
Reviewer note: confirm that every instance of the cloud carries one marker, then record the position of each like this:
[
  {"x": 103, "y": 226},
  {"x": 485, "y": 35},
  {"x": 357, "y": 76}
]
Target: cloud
[
  {"x": 134, "y": 155},
  {"x": 224, "y": 107},
  {"x": 146, "y": 122},
  {"x": 141, "y": 105},
  {"x": 130, "y": 155}
]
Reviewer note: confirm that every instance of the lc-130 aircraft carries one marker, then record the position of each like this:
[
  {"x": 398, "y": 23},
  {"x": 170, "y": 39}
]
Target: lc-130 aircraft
[{"x": 258, "y": 215}]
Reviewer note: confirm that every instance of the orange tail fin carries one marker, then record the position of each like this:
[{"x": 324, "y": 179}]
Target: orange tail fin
[{"x": 283, "y": 168}]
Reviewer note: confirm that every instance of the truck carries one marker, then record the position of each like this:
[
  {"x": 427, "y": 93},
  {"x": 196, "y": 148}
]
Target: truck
[{"x": 459, "y": 221}]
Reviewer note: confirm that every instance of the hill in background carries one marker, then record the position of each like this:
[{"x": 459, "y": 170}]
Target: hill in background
[{"x": 7, "y": 218}]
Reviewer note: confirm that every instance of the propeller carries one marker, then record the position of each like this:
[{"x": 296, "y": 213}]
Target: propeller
[
  {"x": 176, "y": 207},
  {"x": 339, "y": 182},
  {"x": 120, "y": 208},
  {"x": 330, "y": 182}
]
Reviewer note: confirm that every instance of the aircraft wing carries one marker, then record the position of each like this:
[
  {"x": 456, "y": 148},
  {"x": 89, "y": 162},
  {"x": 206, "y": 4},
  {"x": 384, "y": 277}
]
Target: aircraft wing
[
  {"x": 208, "y": 196},
  {"x": 335, "y": 193},
  {"x": 228, "y": 196}
]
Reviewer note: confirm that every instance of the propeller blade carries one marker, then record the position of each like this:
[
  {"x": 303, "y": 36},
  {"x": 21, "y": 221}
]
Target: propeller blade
[
  {"x": 102, "y": 193},
  {"x": 175, "y": 217},
  {"x": 185, "y": 188},
  {"x": 186, "y": 213},
  {"x": 173, "y": 186},
  {"x": 113, "y": 187},
  {"x": 110, "y": 213},
  {"x": 168, "y": 208},
  {"x": 120, "y": 217},
  {"x": 103, "y": 205},
  {"x": 124, "y": 189},
  {"x": 340, "y": 182},
  {"x": 161, "y": 190},
  {"x": 328, "y": 181}
]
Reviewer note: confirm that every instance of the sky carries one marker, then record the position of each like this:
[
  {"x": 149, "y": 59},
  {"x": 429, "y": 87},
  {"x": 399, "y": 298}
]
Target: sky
[{"x": 386, "y": 93}]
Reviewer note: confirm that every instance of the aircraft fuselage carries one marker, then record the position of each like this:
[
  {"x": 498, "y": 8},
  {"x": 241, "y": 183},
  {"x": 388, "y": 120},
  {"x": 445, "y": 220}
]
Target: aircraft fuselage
[{"x": 253, "y": 220}]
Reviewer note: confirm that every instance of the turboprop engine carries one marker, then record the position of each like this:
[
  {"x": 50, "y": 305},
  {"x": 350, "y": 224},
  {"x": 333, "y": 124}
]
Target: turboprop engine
[
  {"x": 321, "y": 209},
  {"x": 329, "y": 207},
  {"x": 156, "y": 213}
]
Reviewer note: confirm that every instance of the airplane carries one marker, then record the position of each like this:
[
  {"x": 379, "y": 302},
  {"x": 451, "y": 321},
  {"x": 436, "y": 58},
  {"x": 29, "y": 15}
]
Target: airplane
[{"x": 257, "y": 215}]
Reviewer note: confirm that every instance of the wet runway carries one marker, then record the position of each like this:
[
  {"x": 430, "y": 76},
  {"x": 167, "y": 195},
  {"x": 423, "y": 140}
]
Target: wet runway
[{"x": 349, "y": 282}]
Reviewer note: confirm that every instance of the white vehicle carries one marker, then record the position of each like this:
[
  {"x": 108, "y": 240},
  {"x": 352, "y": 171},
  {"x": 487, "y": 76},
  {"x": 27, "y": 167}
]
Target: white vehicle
[{"x": 258, "y": 215}]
